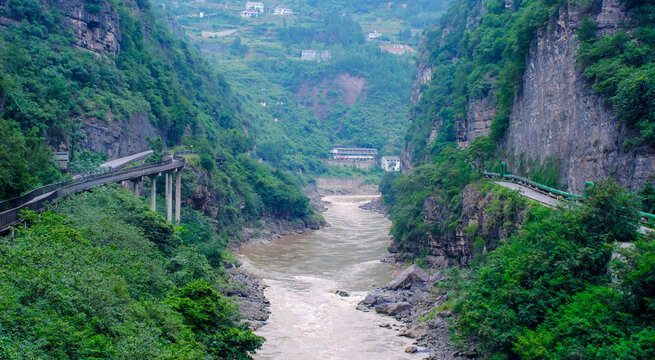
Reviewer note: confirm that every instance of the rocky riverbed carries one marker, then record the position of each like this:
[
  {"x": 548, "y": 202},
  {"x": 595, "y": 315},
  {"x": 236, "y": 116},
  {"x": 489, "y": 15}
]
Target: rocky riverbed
[
  {"x": 248, "y": 290},
  {"x": 414, "y": 298}
]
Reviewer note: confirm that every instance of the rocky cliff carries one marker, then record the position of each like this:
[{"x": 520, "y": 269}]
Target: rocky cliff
[
  {"x": 96, "y": 26},
  {"x": 118, "y": 138},
  {"x": 423, "y": 77},
  {"x": 556, "y": 114},
  {"x": 486, "y": 216}
]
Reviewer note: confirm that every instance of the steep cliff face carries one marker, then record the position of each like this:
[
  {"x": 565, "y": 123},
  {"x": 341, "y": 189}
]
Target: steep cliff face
[
  {"x": 96, "y": 27},
  {"x": 423, "y": 77},
  {"x": 556, "y": 114},
  {"x": 477, "y": 122},
  {"x": 118, "y": 138},
  {"x": 485, "y": 217}
]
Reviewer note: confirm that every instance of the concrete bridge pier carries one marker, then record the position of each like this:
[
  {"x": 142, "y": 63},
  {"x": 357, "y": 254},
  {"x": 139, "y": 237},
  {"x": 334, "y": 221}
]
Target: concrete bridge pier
[
  {"x": 169, "y": 197},
  {"x": 127, "y": 184},
  {"x": 153, "y": 192},
  {"x": 178, "y": 194},
  {"x": 137, "y": 185}
]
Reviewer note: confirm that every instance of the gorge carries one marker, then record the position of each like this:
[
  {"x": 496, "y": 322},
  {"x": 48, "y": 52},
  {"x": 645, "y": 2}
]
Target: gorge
[{"x": 558, "y": 93}]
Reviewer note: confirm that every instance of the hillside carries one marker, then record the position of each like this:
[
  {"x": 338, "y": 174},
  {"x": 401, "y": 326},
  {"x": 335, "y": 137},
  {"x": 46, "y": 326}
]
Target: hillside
[
  {"x": 110, "y": 79},
  {"x": 559, "y": 90},
  {"x": 294, "y": 109},
  {"x": 99, "y": 80}
]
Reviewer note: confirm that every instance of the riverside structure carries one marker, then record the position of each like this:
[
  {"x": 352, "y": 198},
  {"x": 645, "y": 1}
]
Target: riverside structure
[{"x": 133, "y": 179}]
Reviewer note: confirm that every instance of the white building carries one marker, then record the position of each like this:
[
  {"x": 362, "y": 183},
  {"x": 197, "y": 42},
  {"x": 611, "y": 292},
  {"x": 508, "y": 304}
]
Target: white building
[
  {"x": 282, "y": 11},
  {"x": 353, "y": 154},
  {"x": 249, "y": 14},
  {"x": 318, "y": 55},
  {"x": 390, "y": 163},
  {"x": 255, "y": 6},
  {"x": 372, "y": 36}
]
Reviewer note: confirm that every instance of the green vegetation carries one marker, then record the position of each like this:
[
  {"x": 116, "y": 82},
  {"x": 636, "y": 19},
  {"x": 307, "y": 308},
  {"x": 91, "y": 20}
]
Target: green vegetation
[
  {"x": 551, "y": 292},
  {"x": 622, "y": 68},
  {"x": 101, "y": 276},
  {"x": 296, "y": 110},
  {"x": 474, "y": 62},
  {"x": 25, "y": 162}
]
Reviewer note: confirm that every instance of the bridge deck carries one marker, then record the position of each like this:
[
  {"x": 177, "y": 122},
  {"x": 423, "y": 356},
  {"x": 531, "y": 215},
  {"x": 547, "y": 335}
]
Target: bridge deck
[
  {"x": 120, "y": 163},
  {"x": 38, "y": 201}
]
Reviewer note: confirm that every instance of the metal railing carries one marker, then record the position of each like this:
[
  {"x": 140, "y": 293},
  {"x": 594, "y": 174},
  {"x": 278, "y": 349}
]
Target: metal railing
[
  {"x": 552, "y": 192},
  {"x": 10, "y": 216}
]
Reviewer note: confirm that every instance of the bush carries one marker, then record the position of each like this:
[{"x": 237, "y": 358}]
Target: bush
[{"x": 538, "y": 294}]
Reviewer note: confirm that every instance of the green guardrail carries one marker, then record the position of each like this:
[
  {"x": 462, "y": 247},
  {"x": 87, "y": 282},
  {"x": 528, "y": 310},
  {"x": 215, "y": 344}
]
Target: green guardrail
[{"x": 549, "y": 190}]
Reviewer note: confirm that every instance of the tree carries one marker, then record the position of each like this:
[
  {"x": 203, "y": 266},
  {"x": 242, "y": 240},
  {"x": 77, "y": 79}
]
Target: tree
[{"x": 214, "y": 319}]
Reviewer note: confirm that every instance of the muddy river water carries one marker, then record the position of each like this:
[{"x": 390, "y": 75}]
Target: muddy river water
[{"x": 308, "y": 320}]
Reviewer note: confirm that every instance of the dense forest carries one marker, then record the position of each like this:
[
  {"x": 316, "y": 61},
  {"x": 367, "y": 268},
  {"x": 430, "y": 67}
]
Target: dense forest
[
  {"x": 295, "y": 110},
  {"x": 557, "y": 286},
  {"x": 99, "y": 275}
]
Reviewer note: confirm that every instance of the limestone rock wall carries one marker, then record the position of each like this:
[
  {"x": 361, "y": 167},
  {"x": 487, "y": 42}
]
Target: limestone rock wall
[
  {"x": 118, "y": 138},
  {"x": 478, "y": 120},
  {"x": 557, "y": 114},
  {"x": 456, "y": 246},
  {"x": 96, "y": 29}
]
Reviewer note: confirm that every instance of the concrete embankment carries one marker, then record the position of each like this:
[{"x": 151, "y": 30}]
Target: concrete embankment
[{"x": 343, "y": 186}]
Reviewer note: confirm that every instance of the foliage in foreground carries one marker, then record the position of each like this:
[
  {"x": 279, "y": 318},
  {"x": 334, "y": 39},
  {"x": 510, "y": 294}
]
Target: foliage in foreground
[
  {"x": 551, "y": 292},
  {"x": 622, "y": 68},
  {"x": 106, "y": 278}
]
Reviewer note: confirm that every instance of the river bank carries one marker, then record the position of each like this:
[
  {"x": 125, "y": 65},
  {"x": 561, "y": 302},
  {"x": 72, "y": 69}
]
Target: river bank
[
  {"x": 302, "y": 274},
  {"x": 415, "y": 299}
]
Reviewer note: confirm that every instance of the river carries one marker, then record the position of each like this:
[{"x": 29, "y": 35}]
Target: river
[{"x": 308, "y": 320}]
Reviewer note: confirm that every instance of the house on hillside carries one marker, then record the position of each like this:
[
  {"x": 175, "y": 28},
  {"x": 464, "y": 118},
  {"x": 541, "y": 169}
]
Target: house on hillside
[
  {"x": 373, "y": 35},
  {"x": 255, "y": 6},
  {"x": 353, "y": 154},
  {"x": 317, "y": 55},
  {"x": 282, "y": 11},
  {"x": 390, "y": 163},
  {"x": 249, "y": 14},
  {"x": 397, "y": 49}
]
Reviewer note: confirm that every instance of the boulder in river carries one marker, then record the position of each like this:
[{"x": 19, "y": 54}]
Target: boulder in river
[
  {"x": 398, "y": 308},
  {"x": 411, "y": 349},
  {"x": 417, "y": 331},
  {"x": 342, "y": 293},
  {"x": 410, "y": 276}
]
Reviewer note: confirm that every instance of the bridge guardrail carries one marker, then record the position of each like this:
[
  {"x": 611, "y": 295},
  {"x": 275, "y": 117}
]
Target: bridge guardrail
[
  {"x": 549, "y": 191},
  {"x": 10, "y": 217}
]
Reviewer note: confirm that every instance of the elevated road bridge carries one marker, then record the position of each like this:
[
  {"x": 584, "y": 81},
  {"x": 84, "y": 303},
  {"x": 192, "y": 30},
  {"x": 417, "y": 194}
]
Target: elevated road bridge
[{"x": 37, "y": 199}]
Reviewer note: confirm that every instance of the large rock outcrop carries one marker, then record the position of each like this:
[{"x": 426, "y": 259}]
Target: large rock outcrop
[
  {"x": 118, "y": 138},
  {"x": 557, "y": 115},
  {"x": 485, "y": 217},
  {"x": 96, "y": 27},
  {"x": 481, "y": 225}
]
